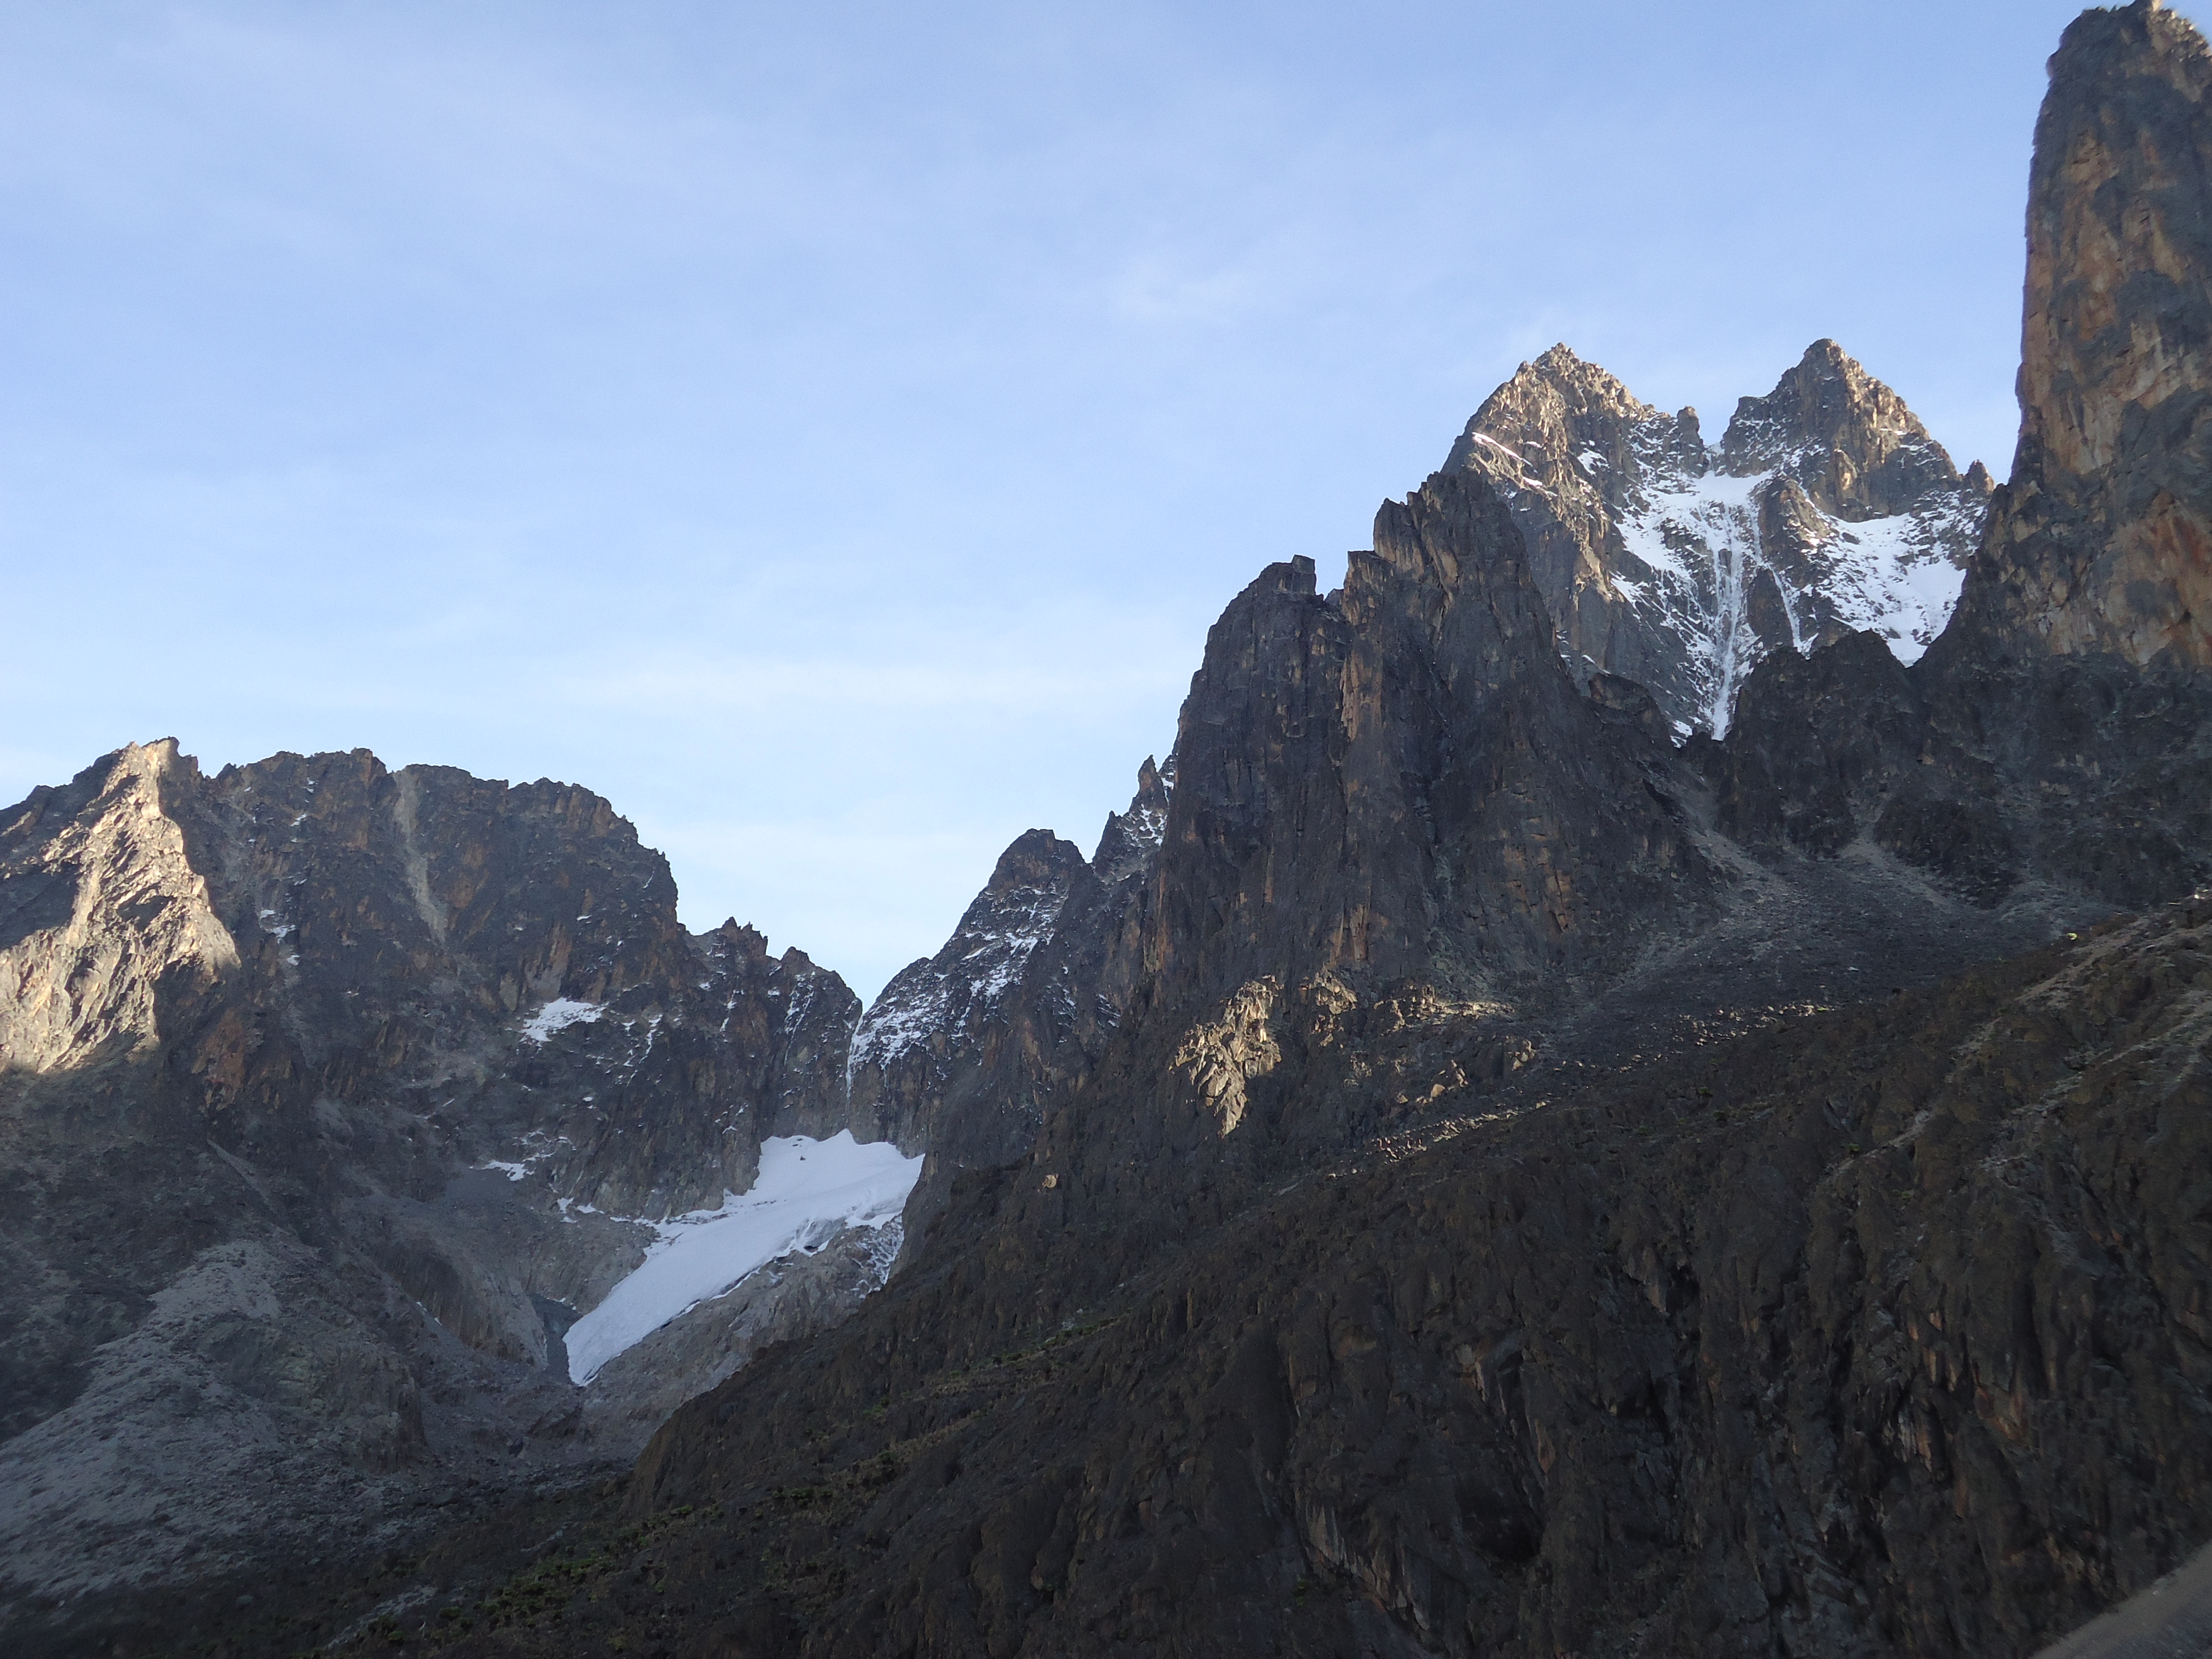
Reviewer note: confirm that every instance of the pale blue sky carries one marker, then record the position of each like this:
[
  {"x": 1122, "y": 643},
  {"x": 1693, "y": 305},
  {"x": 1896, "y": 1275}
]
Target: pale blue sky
[{"x": 827, "y": 430}]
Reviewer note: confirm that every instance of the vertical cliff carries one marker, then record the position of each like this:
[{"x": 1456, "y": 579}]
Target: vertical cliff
[
  {"x": 2099, "y": 541},
  {"x": 1402, "y": 780}
]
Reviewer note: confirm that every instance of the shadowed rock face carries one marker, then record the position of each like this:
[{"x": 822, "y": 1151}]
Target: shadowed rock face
[
  {"x": 955, "y": 1043},
  {"x": 2101, "y": 543},
  {"x": 1369, "y": 784},
  {"x": 1995, "y": 780},
  {"x": 958, "y": 1053},
  {"x": 2061, "y": 730},
  {"x": 1367, "y": 789},
  {"x": 1881, "y": 1333}
]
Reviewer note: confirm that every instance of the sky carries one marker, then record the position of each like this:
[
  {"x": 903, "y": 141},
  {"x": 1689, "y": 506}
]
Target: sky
[{"x": 827, "y": 430}]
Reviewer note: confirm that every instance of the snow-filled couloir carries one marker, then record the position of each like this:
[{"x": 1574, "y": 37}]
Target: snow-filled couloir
[{"x": 1826, "y": 507}]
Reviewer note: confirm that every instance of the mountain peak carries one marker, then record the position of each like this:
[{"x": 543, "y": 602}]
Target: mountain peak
[
  {"x": 1548, "y": 403},
  {"x": 1827, "y": 507},
  {"x": 1130, "y": 838},
  {"x": 1848, "y": 439}
]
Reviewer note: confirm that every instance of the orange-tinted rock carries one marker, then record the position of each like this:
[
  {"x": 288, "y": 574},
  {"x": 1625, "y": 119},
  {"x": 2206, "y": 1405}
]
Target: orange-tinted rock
[{"x": 2102, "y": 541}]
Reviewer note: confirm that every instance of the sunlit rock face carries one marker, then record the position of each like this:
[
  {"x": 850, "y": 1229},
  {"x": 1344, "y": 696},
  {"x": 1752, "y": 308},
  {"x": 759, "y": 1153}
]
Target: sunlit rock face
[
  {"x": 2102, "y": 540},
  {"x": 1458, "y": 1170},
  {"x": 330, "y": 1096},
  {"x": 1825, "y": 508}
]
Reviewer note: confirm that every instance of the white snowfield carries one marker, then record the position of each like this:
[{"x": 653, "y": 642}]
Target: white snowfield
[{"x": 807, "y": 1192}]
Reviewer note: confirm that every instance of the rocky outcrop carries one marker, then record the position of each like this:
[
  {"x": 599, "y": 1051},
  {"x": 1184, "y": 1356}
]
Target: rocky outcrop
[
  {"x": 1490, "y": 1180},
  {"x": 1367, "y": 784},
  {"x": 2099, "y": 542},
  {"x": 74, "y": 984},
  {"x": 1999, "y": 781},
  {"x": 1373, "y": 876},
  {"x": 323, "y": 1089},
  {"x": 1826, "y": 507},
  {"x": 958, "y": 1055},
  {"x": 1130, "y": 839},
  {"x": 979, "y": 1021},
  {"x": 583, "y": 1030}
]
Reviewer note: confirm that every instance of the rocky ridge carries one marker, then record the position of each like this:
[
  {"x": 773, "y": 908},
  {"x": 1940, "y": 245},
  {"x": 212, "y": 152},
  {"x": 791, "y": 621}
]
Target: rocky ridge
[
  {"x": 326, "y": 1092},
  {"x": 405, "y": 1070},
  {"x": 958, "y": 1054},
  {"x": 1542, "y": 1188},
  {"x": 1826, "y": 507}
]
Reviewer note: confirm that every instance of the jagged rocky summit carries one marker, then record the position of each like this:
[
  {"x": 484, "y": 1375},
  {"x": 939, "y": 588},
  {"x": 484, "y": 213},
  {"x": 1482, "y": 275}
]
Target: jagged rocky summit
[
  {"x": 1465, "y": 1167},
  {"x": 1018, "y": 977},
  {"x": 1825, "y": 508},
  {"x": 1556, "y": 1189},
  {"x": 330, "y": 1097},
  {"x": 400, "y": 1081}
]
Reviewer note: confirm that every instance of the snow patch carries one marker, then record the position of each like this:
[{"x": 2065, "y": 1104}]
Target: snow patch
[
  {"x": 1714, "y": 543},
  {"x": 1890, "y": 576},
  {"x": 1699, "y": 539},
  {"x": 558, "y": 1015},
  {"x": 1511, "y": 454},
  {"x": 808, "y": 1192}
]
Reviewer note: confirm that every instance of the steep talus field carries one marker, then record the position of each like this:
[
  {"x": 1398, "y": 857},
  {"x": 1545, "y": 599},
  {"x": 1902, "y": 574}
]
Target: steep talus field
[{"x": 1638, "y": 1082}]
